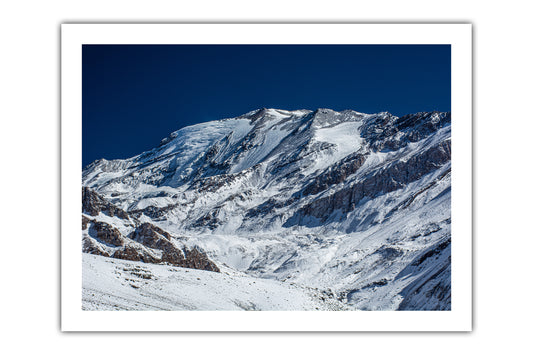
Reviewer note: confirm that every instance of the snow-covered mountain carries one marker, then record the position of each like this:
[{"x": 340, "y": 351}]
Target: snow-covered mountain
[{"x": 354, "y": 205}]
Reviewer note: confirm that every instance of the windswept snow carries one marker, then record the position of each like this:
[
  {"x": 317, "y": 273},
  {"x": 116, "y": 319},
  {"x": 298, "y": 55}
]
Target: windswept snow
[
  {"x": 345, "y": 136},
  {"x": 112, "y": 284},
  {"x": 274, "y": 135}
]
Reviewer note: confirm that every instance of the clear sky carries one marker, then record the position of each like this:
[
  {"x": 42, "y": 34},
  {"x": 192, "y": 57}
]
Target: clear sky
[{"x": 135, "y": 95}]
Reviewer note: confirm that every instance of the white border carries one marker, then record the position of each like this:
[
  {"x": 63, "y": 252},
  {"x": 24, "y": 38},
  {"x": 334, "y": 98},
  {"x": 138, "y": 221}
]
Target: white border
[{"x": 72, "y": 38}]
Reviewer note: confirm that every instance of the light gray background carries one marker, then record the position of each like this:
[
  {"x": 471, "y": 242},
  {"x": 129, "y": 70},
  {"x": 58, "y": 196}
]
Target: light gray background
[{"x": 29, "y": 178}]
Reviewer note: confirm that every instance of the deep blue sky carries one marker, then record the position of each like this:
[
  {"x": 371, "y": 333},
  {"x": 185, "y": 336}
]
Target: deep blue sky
[{"x": 135, "y": 95}]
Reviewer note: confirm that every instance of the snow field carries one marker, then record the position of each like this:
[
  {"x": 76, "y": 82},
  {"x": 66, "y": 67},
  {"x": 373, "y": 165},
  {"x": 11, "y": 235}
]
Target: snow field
[{"x": 112, "y": 284}]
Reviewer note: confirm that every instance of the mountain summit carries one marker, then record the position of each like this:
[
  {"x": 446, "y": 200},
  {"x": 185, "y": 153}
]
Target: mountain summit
[{"x": 355, "y": 205}]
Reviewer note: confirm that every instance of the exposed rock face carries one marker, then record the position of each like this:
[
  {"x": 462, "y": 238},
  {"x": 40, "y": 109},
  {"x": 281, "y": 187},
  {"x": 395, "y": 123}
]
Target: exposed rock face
[
  {"x": 213, "y": 183},
  {"x": 89, "y": 246},
  {"x": 106, "y": 233},
  {"x": 153, "y": 211},
  {"x": 433, "y": 290},
  {"x": 93, "y": 204},
  {"x": 335, "y": 174},
  {"x": 150, "y": 235},
  {"x": 154, "y": 237},
  {"x": 147, "y": 243},
  {"x": 209, "y": 220},
  {"x": 127, "y": 253},
  {"x": 388, "y": 132},
  {"x": 157, "y": 239},
  {"x": 394, "y": 177},
  {"x": 84, "y": 222},
  {"x": 196, "y": 259}
]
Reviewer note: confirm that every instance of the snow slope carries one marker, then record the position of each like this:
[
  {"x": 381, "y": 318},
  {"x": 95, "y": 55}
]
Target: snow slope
[{"x": 112, "y": 284}]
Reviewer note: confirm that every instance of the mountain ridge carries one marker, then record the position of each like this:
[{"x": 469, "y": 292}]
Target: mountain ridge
[{"x": 302, "y": 194}]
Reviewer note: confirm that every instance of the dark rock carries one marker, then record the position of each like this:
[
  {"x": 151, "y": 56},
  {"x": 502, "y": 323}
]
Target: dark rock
[
  {"x": 149, "y": 235},
  {"x": 127, "y": 253},
  {"x": 90, "y": 247},
  {"x": 209, "y": 220},
  {"x": 93, "y": 204},
  {"x": 153, "y": 211},
  {"x": 394, "y": 177},
  {"x": 146, "y": 234},
  {"x": 135, "y": 253},
  {"x": 196, "y": 259},
  {"x": 389, "y": 253},
  {"x": 335, "y": 174},
  {"x": 156, "y": 238},
  {"x": 407, "y": 202},
  {"x": 84, "y": 222},
  {"x": 432, "y": 252},
  {"x": 387, "y": 132},
  {"x": 106, "y": 233}
]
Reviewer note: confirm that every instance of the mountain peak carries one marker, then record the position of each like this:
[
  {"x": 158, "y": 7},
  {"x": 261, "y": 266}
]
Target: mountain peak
[
  {"x": 314, "y": 197},
  {"x": 269, "y": 113}
]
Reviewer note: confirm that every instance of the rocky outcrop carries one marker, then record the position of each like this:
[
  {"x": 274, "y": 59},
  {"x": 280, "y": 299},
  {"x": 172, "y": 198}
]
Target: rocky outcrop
[
  {"x": 395, "y": 176},
  {"x": 432, "y": 289},
  {"x": 89, "y": 246},
  {"x": 84, "y": 222},
  {"x": 214, "y": 183},
  {"x": 154, "y": 212},
  {"x": 150, "y": 235},
  {"x": 196, "y": 259},
  {"x": 335, "y": 174},
  {"x": 93, "y": 204},
  {"x": 106, "y": 233},
  {"x": 189, "y": 258},
  {"x": 387, "y": 132},
  {"x": 128, "y": 253},
  {"x": 147, "y": 243},
  {"x": 156, "y": 238}
]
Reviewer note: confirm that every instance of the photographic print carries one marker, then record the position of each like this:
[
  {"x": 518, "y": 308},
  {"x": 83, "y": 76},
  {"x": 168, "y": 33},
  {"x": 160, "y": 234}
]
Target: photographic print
[{"x": 269, "y": 177}]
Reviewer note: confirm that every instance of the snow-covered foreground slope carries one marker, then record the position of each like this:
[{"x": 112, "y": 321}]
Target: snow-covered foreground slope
[
  {"x": 112, "y": 284},
  {"x": 356, "y": 205}
]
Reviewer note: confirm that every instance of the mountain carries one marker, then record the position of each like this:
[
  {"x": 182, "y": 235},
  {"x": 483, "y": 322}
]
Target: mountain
[{"x": 354, "y": 205}]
